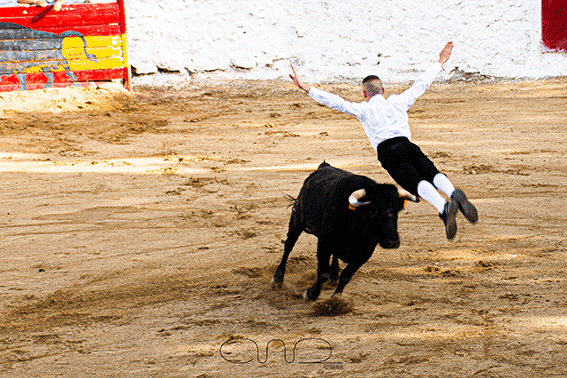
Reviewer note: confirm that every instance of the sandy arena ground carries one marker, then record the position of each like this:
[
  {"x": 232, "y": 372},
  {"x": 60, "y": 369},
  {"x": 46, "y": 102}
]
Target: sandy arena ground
[{"x": 139, "y": 235}]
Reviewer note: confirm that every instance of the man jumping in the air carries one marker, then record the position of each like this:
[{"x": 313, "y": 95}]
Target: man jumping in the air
[{"x": 385, "y": 122}]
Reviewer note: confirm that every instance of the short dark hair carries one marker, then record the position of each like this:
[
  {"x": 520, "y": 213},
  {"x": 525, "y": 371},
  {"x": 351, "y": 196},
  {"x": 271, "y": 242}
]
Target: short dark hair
[
  {"x": 372, "y": 85},
  {"x": 369, "y": 78}
]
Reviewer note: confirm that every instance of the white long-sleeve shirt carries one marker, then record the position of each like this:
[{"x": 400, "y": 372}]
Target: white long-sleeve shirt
[{"x": 381, "y": 118}]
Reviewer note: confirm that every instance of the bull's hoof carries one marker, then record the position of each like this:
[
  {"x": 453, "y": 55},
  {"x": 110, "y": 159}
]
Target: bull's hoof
[
  {"x": 310, "y": 295},
  {"x": 276, "y": 284},
  {"x": 337, "y": 296}
]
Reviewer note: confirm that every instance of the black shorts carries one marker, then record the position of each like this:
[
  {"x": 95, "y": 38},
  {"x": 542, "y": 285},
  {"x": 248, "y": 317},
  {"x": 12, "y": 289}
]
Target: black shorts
[{"x": 406, "y": 163}]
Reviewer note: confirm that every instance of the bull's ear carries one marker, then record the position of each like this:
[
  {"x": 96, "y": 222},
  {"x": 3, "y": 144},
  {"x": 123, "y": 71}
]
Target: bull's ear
[{"x": 355, "y": 197}]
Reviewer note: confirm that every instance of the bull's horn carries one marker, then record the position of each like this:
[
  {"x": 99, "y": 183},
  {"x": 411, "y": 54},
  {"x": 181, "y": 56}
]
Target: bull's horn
[
  {"x": 354, "y": 199},
  {"x": 407, "y": 195}
]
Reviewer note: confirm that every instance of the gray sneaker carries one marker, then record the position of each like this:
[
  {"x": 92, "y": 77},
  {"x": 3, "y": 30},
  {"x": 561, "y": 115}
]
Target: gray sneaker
[
  {"x": 459, "y": 199},
  {"x": 448, "y": 218}
]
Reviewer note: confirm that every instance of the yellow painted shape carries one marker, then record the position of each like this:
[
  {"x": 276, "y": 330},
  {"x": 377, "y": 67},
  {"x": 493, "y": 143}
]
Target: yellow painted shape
[
  {"x": 125, "y": 49},
  {"x": 39, "y": 68},
  {"x": 107, "y": 50},
  {"x": 34, "y": 69}
]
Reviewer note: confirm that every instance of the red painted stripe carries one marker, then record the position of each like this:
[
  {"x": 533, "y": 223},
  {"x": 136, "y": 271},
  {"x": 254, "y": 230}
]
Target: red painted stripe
[
  {"x": 69, "y": 16},
  {"x": 127, "y": 70},
  {"x": 61, "y": 80},
  {"x": 99, "y": 75},
  {"x": 9, "y": 83}
]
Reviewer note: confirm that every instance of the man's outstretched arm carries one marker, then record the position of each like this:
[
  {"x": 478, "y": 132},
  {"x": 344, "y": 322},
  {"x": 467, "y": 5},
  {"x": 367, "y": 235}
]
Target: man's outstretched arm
[
  {"x": 328, "y": 99},
  {"x": 297, "y": 81},
  {"x": 423, "y": 82}
]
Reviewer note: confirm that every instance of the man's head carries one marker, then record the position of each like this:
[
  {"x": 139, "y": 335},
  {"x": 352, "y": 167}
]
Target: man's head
[{"x": 372, "y": 86}]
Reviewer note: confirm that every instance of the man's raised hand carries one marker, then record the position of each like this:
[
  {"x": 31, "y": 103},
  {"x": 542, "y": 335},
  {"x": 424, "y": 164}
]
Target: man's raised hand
[
  {"x": 297, "y": 81},
  {"x": 445, "y": 54}
]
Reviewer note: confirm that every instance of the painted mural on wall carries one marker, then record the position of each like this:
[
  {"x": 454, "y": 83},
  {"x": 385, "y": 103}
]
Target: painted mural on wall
[{"x": 77, "y": 46}]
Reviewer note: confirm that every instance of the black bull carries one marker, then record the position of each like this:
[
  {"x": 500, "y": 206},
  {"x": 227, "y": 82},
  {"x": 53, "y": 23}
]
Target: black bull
[
  {"x": 350, "y": 215},
  {"x": 22, "y": 49}
]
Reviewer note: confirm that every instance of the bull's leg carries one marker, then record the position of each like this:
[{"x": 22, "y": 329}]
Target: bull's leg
[
  {"x": 292, "y": 236},
  {"x": 347, "y": 274},
  {"x": 323, "y": 255},
  {"x": 334, "y": 277}
]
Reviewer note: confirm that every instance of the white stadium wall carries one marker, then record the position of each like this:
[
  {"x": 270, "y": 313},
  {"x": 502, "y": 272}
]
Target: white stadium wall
[{"x": 338, "y": 40}]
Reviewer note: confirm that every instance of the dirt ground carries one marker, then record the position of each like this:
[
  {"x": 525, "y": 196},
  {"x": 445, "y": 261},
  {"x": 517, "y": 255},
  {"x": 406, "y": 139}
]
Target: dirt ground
[{"x": 139, "y": 234}]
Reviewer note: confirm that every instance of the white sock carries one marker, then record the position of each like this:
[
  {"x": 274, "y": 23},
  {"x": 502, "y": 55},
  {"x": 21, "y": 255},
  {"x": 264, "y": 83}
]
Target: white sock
[
  {"x": 443, "y": 183},
  {"x": 431, "y": 195}
]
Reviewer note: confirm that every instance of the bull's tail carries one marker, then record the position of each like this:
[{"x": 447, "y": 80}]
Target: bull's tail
[{"x": 291, "y": 200}]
